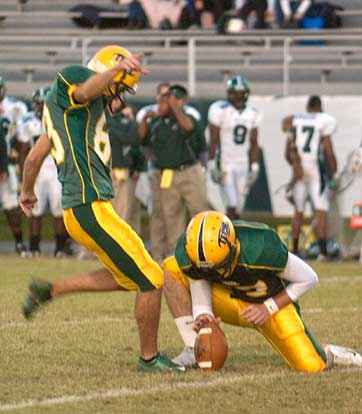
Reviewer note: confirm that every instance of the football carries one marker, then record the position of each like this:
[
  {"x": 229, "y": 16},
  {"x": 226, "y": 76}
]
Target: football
[{"x": 211, "y": 347}]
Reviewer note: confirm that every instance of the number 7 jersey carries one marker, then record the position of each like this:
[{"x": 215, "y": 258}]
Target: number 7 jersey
[
  {"x": 308, "y": 131},
  {"x": 79, "y": 141}
]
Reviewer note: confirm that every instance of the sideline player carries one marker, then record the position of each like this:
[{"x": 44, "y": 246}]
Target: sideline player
[
  {"x": 158, "y": 234},
  {"x": 233, "y": 126},
  {"x": 310, "y": 146},
  {"x": 47, "y": 187},
  {"x": 11, "y": 111}
]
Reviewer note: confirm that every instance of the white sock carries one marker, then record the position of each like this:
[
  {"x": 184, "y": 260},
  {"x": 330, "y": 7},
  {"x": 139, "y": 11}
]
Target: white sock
[{"x": 184, "y": 325}]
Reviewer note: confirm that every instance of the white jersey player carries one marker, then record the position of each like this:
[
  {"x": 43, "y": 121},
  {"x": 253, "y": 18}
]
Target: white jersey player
[
  {"x": 11, "y": 110},
  {"x": 28, "y": 131},
  {"x": 233, "y": 129},
  {"x": 310, "y": 144},
  {"x": 14, "y": 110},
  {"x": 47, "y": 186}
]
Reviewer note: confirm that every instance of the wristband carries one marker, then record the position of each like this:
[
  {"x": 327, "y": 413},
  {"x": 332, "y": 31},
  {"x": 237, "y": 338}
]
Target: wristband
[{"x": 271, "y": 305}]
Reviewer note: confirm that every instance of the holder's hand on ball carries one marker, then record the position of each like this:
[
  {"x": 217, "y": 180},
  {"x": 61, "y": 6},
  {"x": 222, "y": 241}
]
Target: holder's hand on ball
[{"x": 203, "y": 319}]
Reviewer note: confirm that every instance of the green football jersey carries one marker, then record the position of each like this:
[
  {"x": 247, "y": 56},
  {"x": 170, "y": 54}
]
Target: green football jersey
[
  {"x": 123, "y": 136},
  {"x": 79, "y": 140},
  {"x": 262, "y": 257},
  {"x": 173, "y": 146}
]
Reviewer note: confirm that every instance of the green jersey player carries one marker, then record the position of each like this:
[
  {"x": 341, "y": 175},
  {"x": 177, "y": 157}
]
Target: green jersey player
[
  {"x": 242, "y": 273},
  {"x": 75, "y": 134}
]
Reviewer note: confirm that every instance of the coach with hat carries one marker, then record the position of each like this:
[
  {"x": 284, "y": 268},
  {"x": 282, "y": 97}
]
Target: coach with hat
[{"x": 178, "y": 180}]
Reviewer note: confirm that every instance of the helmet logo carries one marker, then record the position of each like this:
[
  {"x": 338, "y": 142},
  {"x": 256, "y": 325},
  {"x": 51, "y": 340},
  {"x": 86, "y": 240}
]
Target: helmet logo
[
  {"x": 224, "y": 233},
  {"x": 118, "y": 57}
]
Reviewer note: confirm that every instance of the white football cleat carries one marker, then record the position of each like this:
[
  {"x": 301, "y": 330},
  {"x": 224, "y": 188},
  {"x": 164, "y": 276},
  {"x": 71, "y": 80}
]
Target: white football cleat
[
  {"x": 339, "y": 355},
  {"x": 186, "y": 358}
]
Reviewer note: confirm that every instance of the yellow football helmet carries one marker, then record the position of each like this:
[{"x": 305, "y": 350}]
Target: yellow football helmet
[
  {"x": 106, "y": 58},
  {"x": 210, "y": 242}
]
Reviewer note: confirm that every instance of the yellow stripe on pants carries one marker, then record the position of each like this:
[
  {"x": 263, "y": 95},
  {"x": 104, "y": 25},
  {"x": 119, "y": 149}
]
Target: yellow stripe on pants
[
  {"x": 128, "y": 239},
  {"x": 80, "y": 236}
]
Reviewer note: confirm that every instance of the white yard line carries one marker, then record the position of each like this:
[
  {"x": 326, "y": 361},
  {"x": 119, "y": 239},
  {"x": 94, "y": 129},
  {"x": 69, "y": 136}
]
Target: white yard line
[
  {"x": 124, "y": 392},
  {"x": 130, "y": 392}
]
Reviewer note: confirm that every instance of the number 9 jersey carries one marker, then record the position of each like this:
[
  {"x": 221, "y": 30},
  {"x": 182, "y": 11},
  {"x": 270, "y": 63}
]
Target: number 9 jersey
[
  {"x": 235, "y": 127},
  {"x": 79, "y": 141}
]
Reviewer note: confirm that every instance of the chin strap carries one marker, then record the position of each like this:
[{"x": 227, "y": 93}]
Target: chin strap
[
  {"x": 227, "y": 264},
  {"x": 119, "y": 94},
  {"x": 123, "y": 104}
]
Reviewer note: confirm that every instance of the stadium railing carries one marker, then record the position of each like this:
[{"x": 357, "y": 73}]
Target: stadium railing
[
  {"x": 193, "y": 58},
  {"x": 24, "y": 15},
  {"x": 353, "y": 12}
]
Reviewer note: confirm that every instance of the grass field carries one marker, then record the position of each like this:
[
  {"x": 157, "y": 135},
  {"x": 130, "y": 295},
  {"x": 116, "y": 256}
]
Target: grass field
[{"x": 79, "y": 354}]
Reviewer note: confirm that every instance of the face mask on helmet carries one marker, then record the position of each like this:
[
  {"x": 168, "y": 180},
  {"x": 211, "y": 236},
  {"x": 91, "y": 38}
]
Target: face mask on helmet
[
  {"x": 238, "y": 91},
  {"x": 38, "y": 99},
  {"x": 210, "y": 242},
  {"x": 124, "y": 81}
]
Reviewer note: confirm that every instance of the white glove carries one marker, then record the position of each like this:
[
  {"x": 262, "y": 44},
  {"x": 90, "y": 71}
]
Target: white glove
[
  {"x": 357, "y": 162},
  {"x": 253, "y": 174},
  {"x": 215, "y": 173}
]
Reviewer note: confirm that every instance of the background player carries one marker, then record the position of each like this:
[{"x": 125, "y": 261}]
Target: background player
[
  {"x": 310, "y": 142},
  {"x": 128, "y": 160},
  {"x": 233, "y": 129},
  {"x": 11, "y": 111},
  {"x": 47, "y": 187}
]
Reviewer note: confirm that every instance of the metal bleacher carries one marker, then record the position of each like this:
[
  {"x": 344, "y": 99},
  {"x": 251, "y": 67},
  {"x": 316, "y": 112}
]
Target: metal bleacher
[{"x": 37, "y": 42}]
